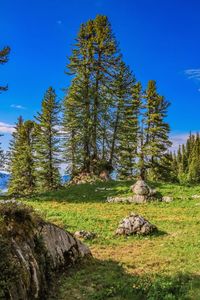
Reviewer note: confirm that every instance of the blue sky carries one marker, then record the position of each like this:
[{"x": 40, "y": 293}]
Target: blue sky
[{"x": 158, "y": 39}]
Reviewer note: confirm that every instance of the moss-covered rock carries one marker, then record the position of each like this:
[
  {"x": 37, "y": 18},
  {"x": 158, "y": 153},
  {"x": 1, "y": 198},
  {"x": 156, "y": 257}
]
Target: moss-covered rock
[{"x": 31, "y": 252}]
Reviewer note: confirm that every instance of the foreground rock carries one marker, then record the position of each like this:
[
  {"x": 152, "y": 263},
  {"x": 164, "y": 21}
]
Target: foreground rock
[
  {"x": 135, "y": 224},
  {"x": 31, "y": 252}
]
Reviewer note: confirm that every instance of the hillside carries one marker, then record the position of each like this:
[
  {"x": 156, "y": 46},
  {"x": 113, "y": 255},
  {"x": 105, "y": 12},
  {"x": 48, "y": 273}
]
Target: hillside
[{"x": 161, "y": 266}]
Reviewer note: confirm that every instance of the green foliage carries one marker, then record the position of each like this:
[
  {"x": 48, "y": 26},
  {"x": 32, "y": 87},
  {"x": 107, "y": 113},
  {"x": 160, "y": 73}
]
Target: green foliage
[
  {"x": 187, "y": 161},
  {"x": 125, "y": 132},
  {"x": 4, "y": 59},
  {"x": 47, "y": 143},
  {"x": 156, "y": 131},
  {"x": 88, "y": 101},
  {"x": 8, "y": 268},
  {"x": 103, "y": 110},
  {"x": 22, "y": 164}
]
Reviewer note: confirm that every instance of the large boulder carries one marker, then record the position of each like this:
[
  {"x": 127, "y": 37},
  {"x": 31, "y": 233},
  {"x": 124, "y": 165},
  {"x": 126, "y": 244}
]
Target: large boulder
[
  {"x": 135, "y": 224},
  {"x": 141, "y": 188},
  {"x": 32, "y": 251}
]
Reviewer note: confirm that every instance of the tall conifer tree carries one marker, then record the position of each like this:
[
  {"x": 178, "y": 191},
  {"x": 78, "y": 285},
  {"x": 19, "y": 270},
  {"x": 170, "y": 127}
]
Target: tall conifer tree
[
  {"x": 156, "y": 129},
  {"x": 22, "y": 166},
  {"x": 93, "y": 64},
  {"x": 47, "y": 146}
]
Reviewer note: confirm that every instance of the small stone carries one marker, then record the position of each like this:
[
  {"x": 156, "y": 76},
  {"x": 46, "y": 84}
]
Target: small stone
[
  {"x": 167, "y": 199},
  {"x": 128, "y": 199},
  {"x": 86, "y": 235},
  {"x": 135, "y": 224},
  {"x": 195, "y": 196}
]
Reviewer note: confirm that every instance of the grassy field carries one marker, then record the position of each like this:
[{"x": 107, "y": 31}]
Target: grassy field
[{"x": 161, "y": 266}]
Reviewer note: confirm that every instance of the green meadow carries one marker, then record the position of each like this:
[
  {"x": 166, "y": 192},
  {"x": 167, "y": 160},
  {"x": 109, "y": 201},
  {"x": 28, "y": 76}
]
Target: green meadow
[{"x": 165, "y": 265}]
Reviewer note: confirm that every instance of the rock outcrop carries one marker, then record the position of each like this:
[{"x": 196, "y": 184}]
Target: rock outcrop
[
  {"x": 32, "y": 251},
  {"x": 135, "y": 224},
  {"x": 142, "y": 193}
]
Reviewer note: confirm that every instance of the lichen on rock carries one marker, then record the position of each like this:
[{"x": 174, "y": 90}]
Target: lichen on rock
[
  {"x": 135, "y": 224},
  {"x": 32, "y": 251}
]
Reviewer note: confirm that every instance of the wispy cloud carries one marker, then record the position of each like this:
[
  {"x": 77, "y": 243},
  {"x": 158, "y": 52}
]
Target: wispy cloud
[
  {"x": 6, "y": 128},
  {"x": 178, "y": 139},
  {"x": 17, "y": 106},
  {"x": 193, "y": 74}
]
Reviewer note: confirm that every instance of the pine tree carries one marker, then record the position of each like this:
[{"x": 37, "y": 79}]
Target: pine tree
[
  {"x": 22, "y": 167},
  {"x": 105, "y": 60},
  {"x": 76, "y": 150},
  {"x": 125, "y": 131},
  {"x": 4, "y": 59},
  {"x": 93, "y": 65},
  {"x": 194, "y": 166},
  {"x": 156, "y": 130},
  {"x": 187, "y": 160},
  {"x": 47, "y": 144}
]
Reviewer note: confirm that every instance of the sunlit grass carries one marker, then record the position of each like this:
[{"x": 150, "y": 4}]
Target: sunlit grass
[{"x": 150, "y": 265}]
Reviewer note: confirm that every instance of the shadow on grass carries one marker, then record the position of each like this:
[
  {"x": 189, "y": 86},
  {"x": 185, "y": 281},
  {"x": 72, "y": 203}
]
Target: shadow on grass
[
  {"x": 103, "y": 280},
  {"x": 100, "y": 191},
  {"x": 96, "y": 192}
]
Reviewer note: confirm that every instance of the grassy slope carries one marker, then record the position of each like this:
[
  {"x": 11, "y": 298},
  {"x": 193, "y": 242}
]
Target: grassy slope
[{"x": 163, "y": 266}]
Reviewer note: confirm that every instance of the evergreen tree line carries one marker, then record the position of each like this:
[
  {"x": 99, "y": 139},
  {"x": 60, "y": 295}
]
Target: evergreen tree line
[
  {"x": 186, "y": 161},
  {"x": 106, "y": 121}
]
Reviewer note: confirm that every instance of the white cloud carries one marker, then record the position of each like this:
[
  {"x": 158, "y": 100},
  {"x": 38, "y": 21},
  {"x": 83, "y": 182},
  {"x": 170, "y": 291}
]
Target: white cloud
[
  {"x": 193, "y": 73},
  {"x": 17, "y": 106},
  {"x": 178, "y": 139},
  {"x": 6, "y": 128}
]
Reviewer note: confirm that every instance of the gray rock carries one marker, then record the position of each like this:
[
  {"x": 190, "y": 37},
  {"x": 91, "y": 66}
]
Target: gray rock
[
  {"x": 135, "y": 224},
  {"x": 167, "y": 199},
  {"x": 130, "y": 199},
  {"x": 86, "y": 235},
  {"x": 120, "y": 199},
  {"x": 141, "y": 188},
  {"x": 35, "y": 249},
  {"x": 142, "y": 193}
]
